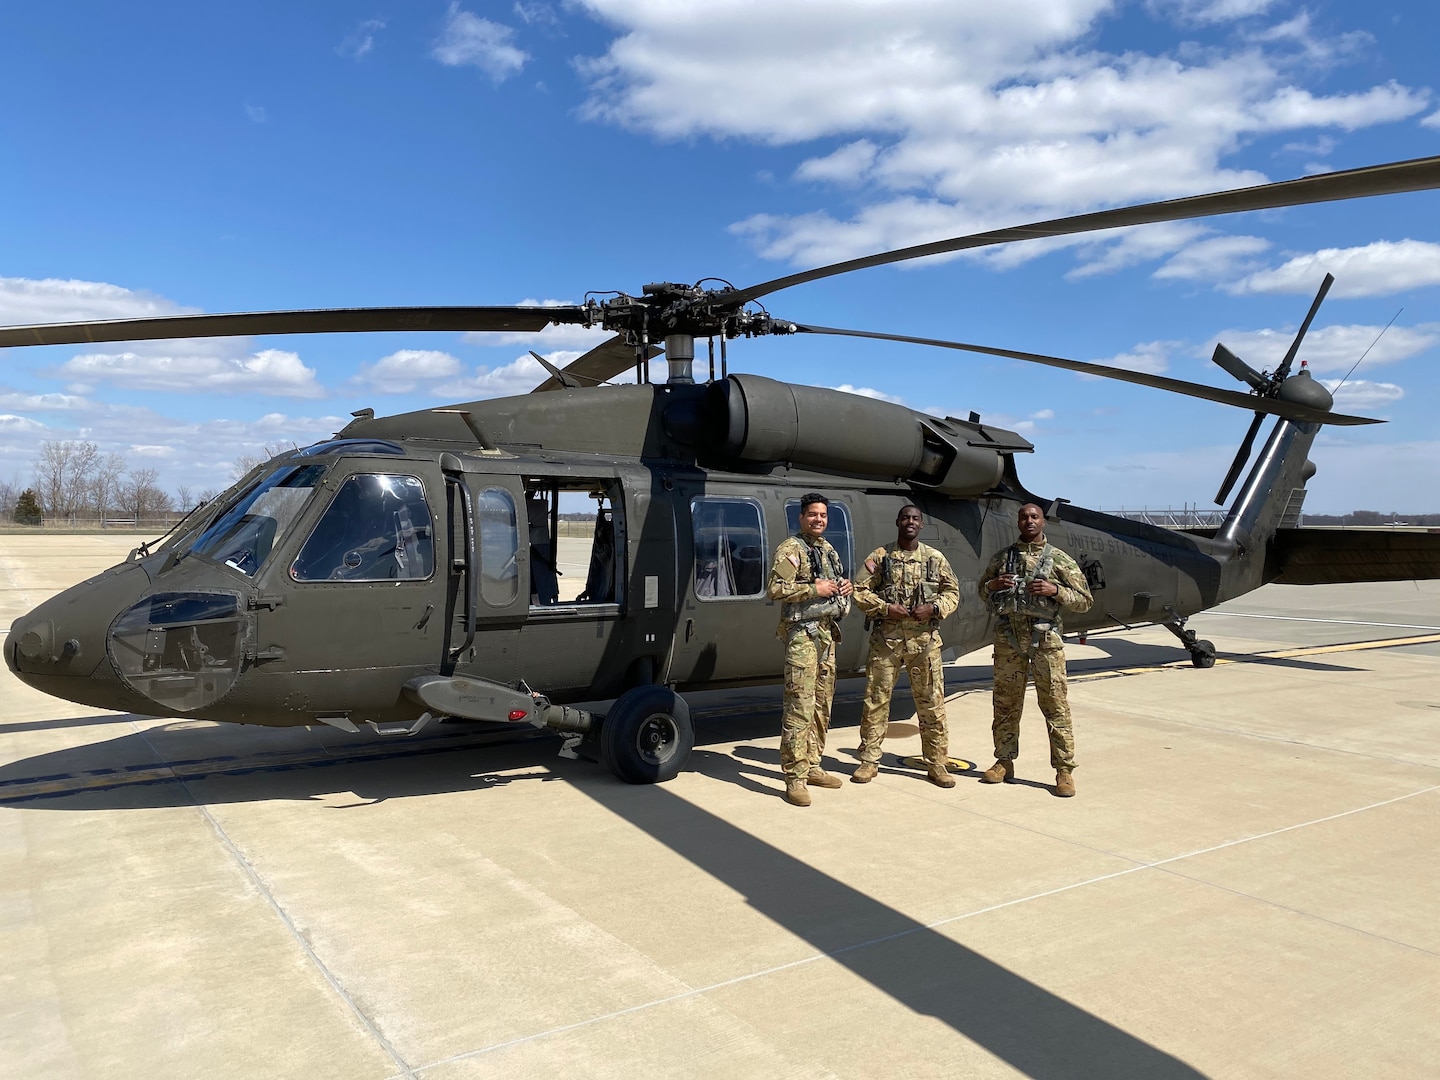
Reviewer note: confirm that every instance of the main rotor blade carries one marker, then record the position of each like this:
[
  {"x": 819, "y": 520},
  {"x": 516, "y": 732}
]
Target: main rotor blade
[
  {"x": 601, "y": 364},
  {"x": 1241, "y": 457},
  {"x": 1418, "y": 174},
  {"x": 323, "y": 321},
  {"x": 1284, "y": 369},
  {"x": 1273, "y": 406}
]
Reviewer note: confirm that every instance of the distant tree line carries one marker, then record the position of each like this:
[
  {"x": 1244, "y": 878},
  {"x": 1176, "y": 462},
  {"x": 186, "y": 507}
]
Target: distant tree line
[
  {"x": 75, "y": 482},
  {"x": 1372, "y": 517}
]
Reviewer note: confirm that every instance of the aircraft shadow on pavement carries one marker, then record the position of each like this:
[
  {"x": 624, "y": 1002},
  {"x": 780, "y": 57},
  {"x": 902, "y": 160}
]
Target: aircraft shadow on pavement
[{"x": 1031, "y": 1029}]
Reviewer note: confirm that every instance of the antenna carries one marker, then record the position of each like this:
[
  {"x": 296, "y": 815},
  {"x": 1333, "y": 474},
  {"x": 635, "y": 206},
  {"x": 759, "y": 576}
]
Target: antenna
[{"x": 1366, "y": 353}]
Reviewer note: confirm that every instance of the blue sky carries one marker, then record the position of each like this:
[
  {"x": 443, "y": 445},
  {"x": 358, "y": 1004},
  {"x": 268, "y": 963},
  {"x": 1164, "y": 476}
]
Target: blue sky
[{"x": 193, "y": 157}]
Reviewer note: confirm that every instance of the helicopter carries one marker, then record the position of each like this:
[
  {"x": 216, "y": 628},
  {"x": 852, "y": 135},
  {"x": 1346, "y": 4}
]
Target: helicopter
[{"x": 407, "y": 570}]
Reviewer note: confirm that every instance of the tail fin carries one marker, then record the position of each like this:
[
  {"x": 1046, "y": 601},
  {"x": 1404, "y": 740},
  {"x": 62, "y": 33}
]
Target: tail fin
[{"x": 1274, "y": 492}]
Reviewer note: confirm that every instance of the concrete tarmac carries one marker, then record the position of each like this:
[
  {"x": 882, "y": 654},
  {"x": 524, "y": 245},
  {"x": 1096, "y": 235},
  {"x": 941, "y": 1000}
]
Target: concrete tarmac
[{"x": 1245, "y": 886}]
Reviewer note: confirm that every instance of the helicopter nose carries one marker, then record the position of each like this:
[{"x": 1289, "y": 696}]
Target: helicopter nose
[{"x": 65, "y": 636}]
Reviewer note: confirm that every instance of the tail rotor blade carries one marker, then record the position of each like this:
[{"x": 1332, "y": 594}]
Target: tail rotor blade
[
  {"x": 1241, "y": 457},
  {"x": 1237, "y": 367},
  {"x": 1284, "y": 369}
]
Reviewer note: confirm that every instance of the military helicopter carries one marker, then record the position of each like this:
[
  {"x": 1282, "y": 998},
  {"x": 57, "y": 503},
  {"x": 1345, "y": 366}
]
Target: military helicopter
[{"x": 406, "y": 570}]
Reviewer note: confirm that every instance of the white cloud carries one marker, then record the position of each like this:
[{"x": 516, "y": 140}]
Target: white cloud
[
  {"x": 845, "y": 166},
  {"x": 1362, "y": 396},
  {"x": 1203, "y": 12},
  {"x": 1377, "y": 269},
  {"x": 1219, "y": 258},
  {"x": 966, "y": 116},
  {"x": 1431, "y": 121},
  {"x": 256, "y": 114},
  {"x": 1152, "y": 357},
  {"x": 402, "y": 371},
  {"x": 44, "y": 402},
  {"x": 1328, "y": 348},
  {"x": 869, "y": 392},
  {"x": 469, "y": 40},
  {"x": 520, "y": 376},
  {"x": 24, "y": 301},
  {"x": 10, "y": 424},
  {"x": 359, "y": 42},
  {"x": 269, "y": 371},
  {"x": 1143, "y": 245}
]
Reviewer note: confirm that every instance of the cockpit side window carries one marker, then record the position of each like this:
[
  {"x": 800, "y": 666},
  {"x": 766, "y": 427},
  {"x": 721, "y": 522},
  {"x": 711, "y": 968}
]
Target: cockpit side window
[
  {"x": 377, "y": 529},
  {"x": 245, "y": 534}
]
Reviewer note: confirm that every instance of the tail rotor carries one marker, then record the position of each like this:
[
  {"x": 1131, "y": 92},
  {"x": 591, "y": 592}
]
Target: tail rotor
[{"x": 1272, "y": 385}]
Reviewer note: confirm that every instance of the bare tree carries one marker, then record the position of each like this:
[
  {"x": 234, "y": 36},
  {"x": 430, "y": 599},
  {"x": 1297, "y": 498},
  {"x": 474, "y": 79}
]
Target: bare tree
[
  {"x": 105, "y": 483},
  {"x": 64, "y": 472},
  {"x": 184, "y": 500},
  {"x": 142, "y": 497},
  {"x": 245, "y": 462}
]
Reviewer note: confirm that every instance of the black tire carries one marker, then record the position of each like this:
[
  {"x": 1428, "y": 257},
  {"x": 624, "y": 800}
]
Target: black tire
[
  {"x": 1204, "y": 654},
  {"x": 647, "y": 735}
]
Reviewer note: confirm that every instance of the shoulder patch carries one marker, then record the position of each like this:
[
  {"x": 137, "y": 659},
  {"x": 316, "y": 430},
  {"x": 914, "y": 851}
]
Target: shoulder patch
[
  {"x": 795, "y": 559},
  {"x": 870, "y": 565}
]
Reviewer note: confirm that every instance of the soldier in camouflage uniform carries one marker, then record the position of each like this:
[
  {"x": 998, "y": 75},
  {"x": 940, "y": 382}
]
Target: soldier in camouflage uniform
[
  {"x": 1028, "y": 585},
  {"x": 906, "y": 589},
  {"x": 810, "y": 583}
]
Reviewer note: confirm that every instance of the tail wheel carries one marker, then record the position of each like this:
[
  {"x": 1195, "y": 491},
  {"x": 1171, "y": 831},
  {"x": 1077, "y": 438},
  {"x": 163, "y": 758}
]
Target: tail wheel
[
  {"x": 647, "y": 735},
  {"x": 1203, "y": 655}
]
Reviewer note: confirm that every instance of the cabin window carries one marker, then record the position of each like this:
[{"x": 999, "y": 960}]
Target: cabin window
[
  {"x": 243, "y": 537},
  {"x": 729, "y": 548},
  {"x": 838, "y": 532},
  {"x": 376, "y": 529},
  {"x": 576, "y": 541},
  {"x": 498, "y": 541}
]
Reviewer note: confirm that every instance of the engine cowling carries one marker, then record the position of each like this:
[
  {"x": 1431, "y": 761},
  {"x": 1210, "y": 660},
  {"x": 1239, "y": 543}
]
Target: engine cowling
[{"x": 758, "y": 419}]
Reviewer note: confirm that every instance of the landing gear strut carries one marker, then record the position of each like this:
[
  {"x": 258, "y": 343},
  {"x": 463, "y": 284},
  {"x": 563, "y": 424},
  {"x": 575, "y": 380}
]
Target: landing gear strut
[{"x": 1202, "y": 653}]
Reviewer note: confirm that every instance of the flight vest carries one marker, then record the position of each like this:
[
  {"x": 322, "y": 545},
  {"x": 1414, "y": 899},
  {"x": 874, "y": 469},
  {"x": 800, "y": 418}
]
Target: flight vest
[
  {"x": 1018, "y": 601},
  {"x": 893, "y": 589},
  {"x": 824, "y": 564}
]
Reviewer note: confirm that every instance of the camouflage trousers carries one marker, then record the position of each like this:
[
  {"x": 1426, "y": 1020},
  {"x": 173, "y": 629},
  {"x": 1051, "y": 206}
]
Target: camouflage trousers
[
  {"x": 927, "y": 687},
  {"x": 1047, "y": 668},
  {"x": 809, "y": 690}
]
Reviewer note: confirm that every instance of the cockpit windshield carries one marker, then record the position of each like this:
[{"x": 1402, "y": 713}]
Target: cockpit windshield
[{"x": 243, "y": 537}]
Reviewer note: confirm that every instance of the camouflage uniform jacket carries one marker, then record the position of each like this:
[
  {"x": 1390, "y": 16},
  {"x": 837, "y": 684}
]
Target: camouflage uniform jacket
[
  {"x": 892, "y": 575},
  {"x": 1037, "y": 630},
  {"x": 798, "y": 564}
]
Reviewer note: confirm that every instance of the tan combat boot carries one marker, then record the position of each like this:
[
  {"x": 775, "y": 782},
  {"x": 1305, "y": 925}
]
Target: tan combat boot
[
  {"x": 940, "y": 776},
  {"x": 795, "y": 793},
  {"x": 865, "y": 773},
  {"x": 820, "y": 778},
  {"x": 1003, "y": 769},
  {"x": 1064, "y": 783}
]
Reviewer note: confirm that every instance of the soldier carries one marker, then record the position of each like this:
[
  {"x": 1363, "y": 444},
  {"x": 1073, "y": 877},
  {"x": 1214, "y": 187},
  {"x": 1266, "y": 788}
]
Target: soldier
[
  {"x": 1028, "y": 585},
  {"x": 906, "y": 589},
  {"x": 815, "y": 595}
]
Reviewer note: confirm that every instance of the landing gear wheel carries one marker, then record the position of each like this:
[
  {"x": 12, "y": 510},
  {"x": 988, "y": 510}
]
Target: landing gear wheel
[
  {"x": 647, "y": 735},
  {"x": 1203, "y": 655}
]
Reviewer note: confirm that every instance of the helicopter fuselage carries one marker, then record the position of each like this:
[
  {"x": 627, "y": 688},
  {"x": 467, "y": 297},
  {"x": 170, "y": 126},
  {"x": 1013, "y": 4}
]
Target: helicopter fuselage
[{"x": 322, "y": 585}]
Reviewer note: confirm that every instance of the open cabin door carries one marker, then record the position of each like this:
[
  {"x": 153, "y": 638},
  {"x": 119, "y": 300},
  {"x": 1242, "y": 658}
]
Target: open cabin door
[{"x": 725, "y": 536}]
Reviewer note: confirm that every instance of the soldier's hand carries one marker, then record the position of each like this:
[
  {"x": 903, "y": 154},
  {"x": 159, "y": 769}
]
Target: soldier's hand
[
  {"x": 846, "y": 588},
  {"x": 825, "y": 587},
  {"x": 1001, "y": 583},
  {"x": 924, "y": 612},
  {"x": 897, "y": 611},
  {"x": 1041, "y": 587}
]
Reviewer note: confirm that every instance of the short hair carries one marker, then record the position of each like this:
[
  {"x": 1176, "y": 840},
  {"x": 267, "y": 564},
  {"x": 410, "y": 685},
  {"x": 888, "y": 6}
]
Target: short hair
[
  {"x": 1036, "y": 505},
  {"x": 909, "y": 506},
  {"x": 810, "y": 498}
]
